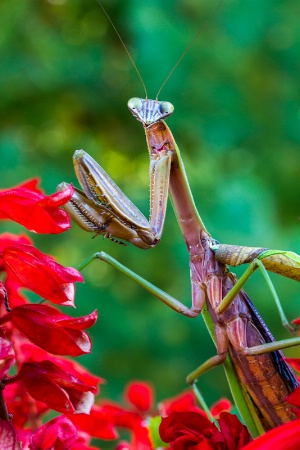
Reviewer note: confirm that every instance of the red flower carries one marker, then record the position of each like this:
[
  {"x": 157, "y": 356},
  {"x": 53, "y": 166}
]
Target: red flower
[
  {"x": 52, "y": 330},
  {"x": 105, "y": 420},
  {"x": 191, "y": 430},
  {"x": 42, "y": 274},
  {"x": 8, "y": 436},
  {"x": 60, "y": 391},
  {"x": 37, "y": 212},
  {"x": 285, "y": 437},
  {"x": 58, "y": 434}
]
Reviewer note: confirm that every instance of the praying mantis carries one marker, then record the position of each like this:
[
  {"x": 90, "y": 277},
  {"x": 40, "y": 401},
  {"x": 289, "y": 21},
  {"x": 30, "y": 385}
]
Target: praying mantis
[{"x": 239, "y": 331}]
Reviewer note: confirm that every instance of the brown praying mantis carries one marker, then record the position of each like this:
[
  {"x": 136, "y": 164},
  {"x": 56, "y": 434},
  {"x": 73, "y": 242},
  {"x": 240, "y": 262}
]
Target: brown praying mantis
[{"x": 242, "y": 338}]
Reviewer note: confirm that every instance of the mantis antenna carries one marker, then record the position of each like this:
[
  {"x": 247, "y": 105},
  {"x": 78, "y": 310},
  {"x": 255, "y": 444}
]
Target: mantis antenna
[
  {"x": 189, "y": 47},
  {"x": 126, "y": 49}
]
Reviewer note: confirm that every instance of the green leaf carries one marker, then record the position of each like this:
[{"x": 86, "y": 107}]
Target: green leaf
[{"x": 153, "y": 427}]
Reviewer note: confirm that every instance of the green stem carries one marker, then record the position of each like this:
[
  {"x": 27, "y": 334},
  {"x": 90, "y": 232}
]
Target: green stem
[{"x": 203, "y": 404}]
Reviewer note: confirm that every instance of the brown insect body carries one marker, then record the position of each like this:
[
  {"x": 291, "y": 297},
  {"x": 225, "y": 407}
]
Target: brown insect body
[{"x": 267, "y": 378}]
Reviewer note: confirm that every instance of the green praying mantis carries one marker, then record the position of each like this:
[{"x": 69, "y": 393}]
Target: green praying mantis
[{"x": 244, "y": 343}]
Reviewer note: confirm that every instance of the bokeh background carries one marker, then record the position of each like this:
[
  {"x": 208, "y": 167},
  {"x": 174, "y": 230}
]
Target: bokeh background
[{"x": 65, "y": 80}]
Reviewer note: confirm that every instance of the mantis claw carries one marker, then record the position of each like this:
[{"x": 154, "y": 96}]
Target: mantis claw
[{"x": 104, "y": 209}]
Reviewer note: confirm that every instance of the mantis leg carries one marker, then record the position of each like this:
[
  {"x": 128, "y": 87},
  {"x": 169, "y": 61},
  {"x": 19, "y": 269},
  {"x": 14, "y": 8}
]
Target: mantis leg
[
  {"x": 250, "y": 351},
  {"x": 205, "y": 367},
  {"x": 104, "y": 209},
  {"x": 271, "y": 346},
  {"x": 240, "y": 397},
  {"x": 229, "y": 298},
  {"x": 155, "y": 291},
  {"x": 284, "y": 263},
  {"x": 238, "y": 391}
]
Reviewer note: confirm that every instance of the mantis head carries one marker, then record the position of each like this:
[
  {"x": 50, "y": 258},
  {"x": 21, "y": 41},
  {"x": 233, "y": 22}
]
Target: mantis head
[{"x": 149, "y": 111}]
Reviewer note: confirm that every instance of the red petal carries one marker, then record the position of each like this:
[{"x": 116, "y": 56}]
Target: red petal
[
  {"x": 79, "y": 371},
  {"x": 81, "y": 401},
  {"x": 97, "y": 424},
  {"x": 59, "y": 433},
  {"x": 182, "y": 402},
  {"x": 46, "y": 391},
  {"x": 59, "y": 198},
  {"x": 192, "y": 423},
  {"x": 140, "y": 395},
  {"x": 285, "y": 437},
  {"x": 235, "y": 434},
  {"x": 31, "y": 353},
  {"x": 7, "y": 356},
  {"x": 79, "y": 323},
  {"x": 9, "y": 239},
  {"x": 34, "y": 210},
  {"x": 8, "y": 436},
  {"x": 37, "y": 323},
  {"x": 42, "y": 274},
  {"x": 61, "y": 391},
  {"x": 294, "y": 362},
  {"x": 294, "y": 397},
  {"x": 222, "y": 405},
  {"x": 31, "y": 185},
  {"x": 19, "y": 404}
]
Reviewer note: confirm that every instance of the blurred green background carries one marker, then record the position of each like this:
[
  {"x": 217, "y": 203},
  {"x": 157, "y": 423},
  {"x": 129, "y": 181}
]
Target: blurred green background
[{"x": 65, "y": 80}]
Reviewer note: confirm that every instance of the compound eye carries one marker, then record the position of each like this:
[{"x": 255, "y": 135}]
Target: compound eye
[
  {"x": 166, "y": 108},
  {"x": 135, "y": 104}
]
